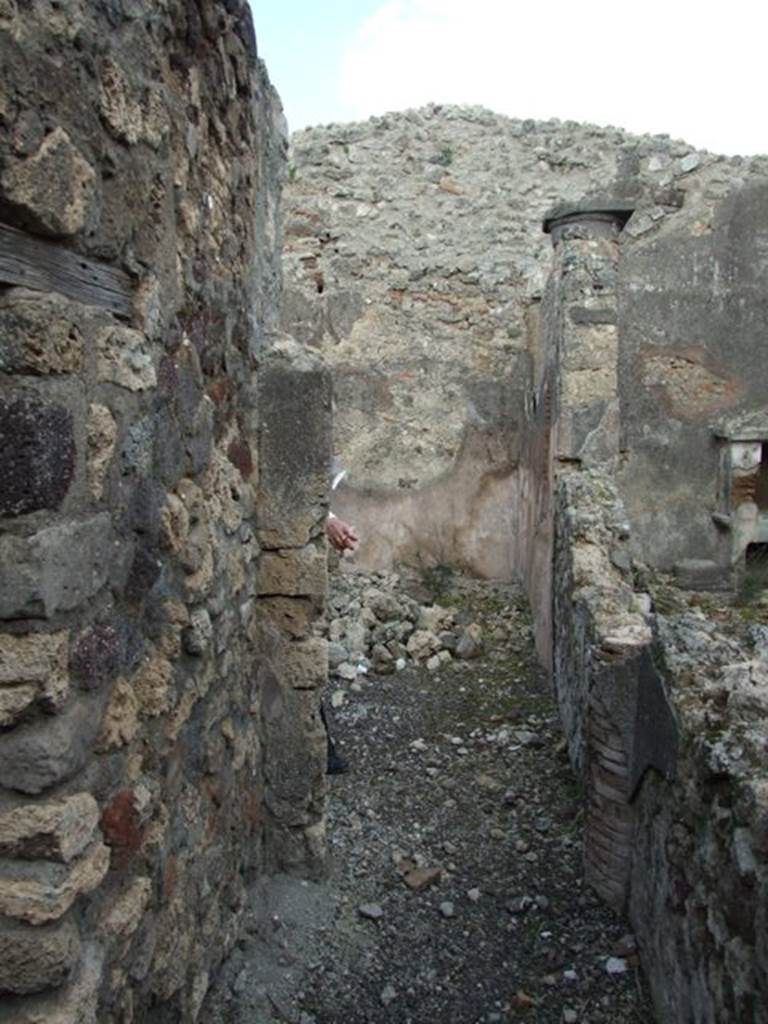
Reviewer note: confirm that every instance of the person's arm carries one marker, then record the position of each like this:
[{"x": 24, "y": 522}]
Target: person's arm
[{"x": 340, "y": 534}]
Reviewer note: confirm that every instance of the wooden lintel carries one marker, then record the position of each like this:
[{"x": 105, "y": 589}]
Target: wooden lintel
[{"x": 48, "y": 266}]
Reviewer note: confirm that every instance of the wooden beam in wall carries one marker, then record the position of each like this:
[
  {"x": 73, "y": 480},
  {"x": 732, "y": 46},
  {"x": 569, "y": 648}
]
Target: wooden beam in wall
[{"x": 47, "y": 266}]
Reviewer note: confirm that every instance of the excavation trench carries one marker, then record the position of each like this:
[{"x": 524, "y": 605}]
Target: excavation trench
[{"x": 454, "y": 890}]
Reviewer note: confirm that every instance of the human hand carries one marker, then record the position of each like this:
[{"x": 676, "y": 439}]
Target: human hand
[{"x": 340, "y": 534}]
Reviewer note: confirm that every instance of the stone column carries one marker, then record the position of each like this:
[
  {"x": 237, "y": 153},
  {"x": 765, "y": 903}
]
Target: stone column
[
  {"x": 294, "y": 464},
  {"x": 586, "y": 415}
]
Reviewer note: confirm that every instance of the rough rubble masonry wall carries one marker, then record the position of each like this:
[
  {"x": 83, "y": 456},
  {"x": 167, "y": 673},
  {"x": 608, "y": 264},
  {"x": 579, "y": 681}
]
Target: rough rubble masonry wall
[
  {"x": 156, "y": 669},
  {"x": 414, "y": 260},
  {"x": 666, "y": 718}
]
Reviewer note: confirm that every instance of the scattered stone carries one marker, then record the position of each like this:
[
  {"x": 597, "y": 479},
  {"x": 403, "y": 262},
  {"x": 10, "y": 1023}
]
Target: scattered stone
[
  {"x": 338, "y": 699},
  {"x": 519, "y": 905},
  {"x": 388, "y": 995},
  {"x": 527, "y": 738},
  {"x": 689, "y": 163},
  {"x": 470, "y": 643},
  {"x": 403, "y": 810},
  {"x": 626, "y": 946},
  {"x": 337, "y": 654},
  {"x": 570, "y": 1016},
  {"x": 372, "y": 911},
  {"x": 420, "y": 878},
  {"x": 615, "y": 965}
]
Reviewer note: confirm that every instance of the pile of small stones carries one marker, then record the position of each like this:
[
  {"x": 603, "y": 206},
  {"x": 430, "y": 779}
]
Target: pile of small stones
[{"x": 375, "y": 625}]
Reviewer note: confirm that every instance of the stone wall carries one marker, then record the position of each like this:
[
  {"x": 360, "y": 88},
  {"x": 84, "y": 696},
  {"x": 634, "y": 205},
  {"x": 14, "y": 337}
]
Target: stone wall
[
  {"x": 692, "y": 320},
  {"x": 663, "y": 693},
  {"x": 414, "y": 261},
  {"x": 156, "y": 671},
  {"x": 698, "y": 894},
  {"x": 666, "y": 716}
]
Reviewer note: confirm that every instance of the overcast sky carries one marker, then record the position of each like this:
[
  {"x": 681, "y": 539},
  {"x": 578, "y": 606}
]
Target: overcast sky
[{"x": 695, "y": 71}]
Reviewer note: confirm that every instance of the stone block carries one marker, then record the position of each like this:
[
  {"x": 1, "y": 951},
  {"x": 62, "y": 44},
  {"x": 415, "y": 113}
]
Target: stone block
[
  {"x": 101, "y": 436},
  {"x": 33, "y": 959},
  {"x": 294, "y": 752},
  {"x": 40, "y": 334},
  {"x": 124, "y": 358},
  {"x": 54, "y": 189},
  {"x": 37, "y": 454},
  {"x": 197, "y": 636},
  {"x": 95, "y": 656},
  {"x": 590, "y": 347},
  {"x": 121, "y": 719},
  {"x": 15, "y": 703},
  {"x": 122, "y": 825},
  {"x": 292, "y": 615},
  {"x": 38, "y": 892},
  {"x": 294, "y": 450},
  {"x": 584, "y": 387},
  {"x": 700, "y": 574},
  {"x": 33, "y": 668},
  {"x": 28, "y": 133},
  {"x": 174, "y": 524},
  {"x": 74, "y": 1004},
  {"x": 304, "y": 663},
  {"x": 294, "y": 573},
  {"x": 125, "y": 910},
  {"x": 121, "y": 111},
  {"x": 58, "y": 831},
  {"x": 152, "y": 686},
  {"x": 144, "y": 572},
  {"x": 56, "y": 569},
  {"x": 38, "y": 754},
  {"x": 226, "y": 494}
]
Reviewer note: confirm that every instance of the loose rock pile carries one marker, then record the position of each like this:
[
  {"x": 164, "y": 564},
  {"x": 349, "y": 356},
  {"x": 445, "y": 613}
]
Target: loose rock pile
[{"x": 376, "y": 625}]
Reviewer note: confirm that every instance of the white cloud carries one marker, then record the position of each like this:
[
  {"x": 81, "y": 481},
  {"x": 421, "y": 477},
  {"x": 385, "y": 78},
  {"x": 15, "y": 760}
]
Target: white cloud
[{"x": 691, "y": 71}]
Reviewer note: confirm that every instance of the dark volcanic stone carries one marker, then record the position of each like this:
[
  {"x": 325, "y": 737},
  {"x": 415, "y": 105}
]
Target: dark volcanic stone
[
  {"x": 95, "y": 657},
  {"x": 37, "y": 455}
]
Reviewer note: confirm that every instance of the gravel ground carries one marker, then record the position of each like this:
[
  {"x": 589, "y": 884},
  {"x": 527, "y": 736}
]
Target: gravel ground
[{"x": 455, "y": 888}]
